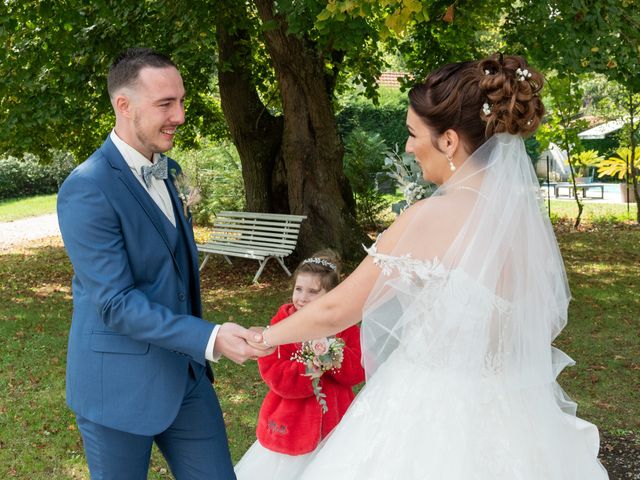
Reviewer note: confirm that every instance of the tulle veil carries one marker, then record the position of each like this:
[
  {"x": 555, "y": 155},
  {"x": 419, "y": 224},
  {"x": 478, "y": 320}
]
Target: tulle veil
[
  {"x": 475, "y": 287},
  {"x": 456, "y": 338}
]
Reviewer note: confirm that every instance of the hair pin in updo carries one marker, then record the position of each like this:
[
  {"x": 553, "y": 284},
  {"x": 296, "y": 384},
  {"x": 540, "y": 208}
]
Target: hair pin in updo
[
  {"x": 522, "y": 75},
  {"x": 320, "y": 261},
  {"x": 486, "y": 109}
]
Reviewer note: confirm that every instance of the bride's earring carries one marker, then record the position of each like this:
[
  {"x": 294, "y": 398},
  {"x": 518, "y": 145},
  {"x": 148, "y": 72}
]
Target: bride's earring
[{"x": 452, "y": 167}]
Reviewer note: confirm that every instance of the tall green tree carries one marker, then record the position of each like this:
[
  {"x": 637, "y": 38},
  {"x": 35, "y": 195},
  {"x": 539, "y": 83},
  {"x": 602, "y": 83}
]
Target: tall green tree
[
  {"x": 577, "y": 36},
  {"x": 264, "y": 72},
  {"x": 563, "y": 124},
  {"x": 55, "y": 59},
  {"x": 289, "y": 143}
]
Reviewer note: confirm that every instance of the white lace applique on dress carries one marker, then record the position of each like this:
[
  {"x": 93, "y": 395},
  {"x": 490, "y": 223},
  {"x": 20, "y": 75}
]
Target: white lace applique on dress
[{"x": 409, "y": 269}]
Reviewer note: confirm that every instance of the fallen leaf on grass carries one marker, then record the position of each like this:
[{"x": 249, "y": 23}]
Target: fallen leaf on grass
[{"x": 597, "y": 367}]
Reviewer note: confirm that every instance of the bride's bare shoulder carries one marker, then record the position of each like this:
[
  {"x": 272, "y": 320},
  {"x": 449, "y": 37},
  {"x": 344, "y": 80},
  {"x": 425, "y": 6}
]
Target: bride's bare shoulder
[
  {"x": 418, "y": 212},
  {"x": 430, "y": 208}
]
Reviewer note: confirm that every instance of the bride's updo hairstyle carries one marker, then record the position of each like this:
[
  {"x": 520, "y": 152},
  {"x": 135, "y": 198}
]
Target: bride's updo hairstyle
[{"x": 480, "y": 98}]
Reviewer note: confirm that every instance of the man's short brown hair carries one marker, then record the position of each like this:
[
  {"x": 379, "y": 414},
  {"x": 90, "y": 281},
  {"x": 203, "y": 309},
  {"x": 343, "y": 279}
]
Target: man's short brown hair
[{"x": 126, "y": 67}]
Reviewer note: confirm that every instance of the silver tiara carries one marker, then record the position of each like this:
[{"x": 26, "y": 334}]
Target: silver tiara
[{"x": 320, "y": 261}]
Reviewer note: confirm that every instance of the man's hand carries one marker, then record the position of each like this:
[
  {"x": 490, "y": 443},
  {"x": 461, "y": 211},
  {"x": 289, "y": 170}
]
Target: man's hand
[
  {"x": 256, "y": 340},
  {"x": 232, "y": 342}
]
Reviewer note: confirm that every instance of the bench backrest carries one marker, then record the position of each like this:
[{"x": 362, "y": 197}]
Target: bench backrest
[{"x": 278, "y": 232}]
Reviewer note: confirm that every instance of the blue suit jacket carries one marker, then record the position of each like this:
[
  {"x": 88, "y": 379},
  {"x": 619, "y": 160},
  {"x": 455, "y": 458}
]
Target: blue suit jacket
[{"x": 132, "y": 335}]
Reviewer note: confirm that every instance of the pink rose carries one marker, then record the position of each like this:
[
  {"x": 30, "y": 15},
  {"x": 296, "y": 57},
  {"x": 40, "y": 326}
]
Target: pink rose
[{"x": 320, "y": 347}]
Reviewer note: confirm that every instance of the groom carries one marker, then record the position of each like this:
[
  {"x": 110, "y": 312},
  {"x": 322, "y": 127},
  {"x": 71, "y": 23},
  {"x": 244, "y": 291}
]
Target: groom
[{"x": 137, "y": 369}]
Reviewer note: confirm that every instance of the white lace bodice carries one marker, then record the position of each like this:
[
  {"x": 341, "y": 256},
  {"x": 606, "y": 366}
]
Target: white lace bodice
[
  {"x": 449, "y": 320},
  {"x": 410, "y": 269}
]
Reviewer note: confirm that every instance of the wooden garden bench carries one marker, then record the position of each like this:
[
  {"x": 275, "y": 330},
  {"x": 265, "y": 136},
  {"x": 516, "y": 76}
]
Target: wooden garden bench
[{"x": 259, "y": 236}]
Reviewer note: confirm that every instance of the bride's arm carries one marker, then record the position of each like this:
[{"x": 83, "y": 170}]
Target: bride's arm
[
  {"x": 333, "y": 312},
  {"x": 341, "y": 307}
]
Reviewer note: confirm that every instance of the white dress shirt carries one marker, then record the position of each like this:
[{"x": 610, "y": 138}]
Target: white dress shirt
[{"x": 160, "y": 195}]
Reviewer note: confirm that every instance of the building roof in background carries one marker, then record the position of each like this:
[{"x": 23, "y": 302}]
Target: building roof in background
[
  {"x": 601, "y": 131},
  {"x": 390, "y": 79}
]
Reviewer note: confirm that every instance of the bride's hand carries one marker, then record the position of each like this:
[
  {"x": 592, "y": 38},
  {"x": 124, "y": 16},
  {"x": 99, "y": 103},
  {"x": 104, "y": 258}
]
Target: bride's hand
[{"x": 257, "y": 340}]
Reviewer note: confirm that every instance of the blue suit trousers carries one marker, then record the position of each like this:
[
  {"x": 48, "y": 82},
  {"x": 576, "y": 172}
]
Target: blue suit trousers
[{"x": 194, "y": 445}]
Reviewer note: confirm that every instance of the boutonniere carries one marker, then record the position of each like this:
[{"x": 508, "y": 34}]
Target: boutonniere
[{"x": 188, "y": 194}]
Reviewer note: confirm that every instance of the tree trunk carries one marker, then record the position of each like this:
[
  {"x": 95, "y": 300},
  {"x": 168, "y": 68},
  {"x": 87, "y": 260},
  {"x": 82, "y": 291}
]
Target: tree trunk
[
  {"x": 255, "y": 132},
  {"x": 311, "y": 147},
  {"x": 632, "y": 166},
  {"x": 567, "y": 146}
]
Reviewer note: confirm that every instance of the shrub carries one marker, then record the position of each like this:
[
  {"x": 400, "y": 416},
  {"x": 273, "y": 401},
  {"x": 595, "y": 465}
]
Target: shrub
[
  {"x": 388, "y": 119},
  {"x": 363, "y": 160},
  {"x": 61, "y": 166},
  {"x": 27, "y": 177},
  {"x": 605, "y": 146},
  {"x": 215, "y": 169}
]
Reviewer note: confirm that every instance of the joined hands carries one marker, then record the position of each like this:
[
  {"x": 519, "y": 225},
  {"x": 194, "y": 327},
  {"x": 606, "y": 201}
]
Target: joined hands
[{"x": 240, "y": 344}]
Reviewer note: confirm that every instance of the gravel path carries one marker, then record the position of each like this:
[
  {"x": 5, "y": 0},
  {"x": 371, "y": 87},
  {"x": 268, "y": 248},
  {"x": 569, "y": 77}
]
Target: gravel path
[{"x": 27, "y": 229}]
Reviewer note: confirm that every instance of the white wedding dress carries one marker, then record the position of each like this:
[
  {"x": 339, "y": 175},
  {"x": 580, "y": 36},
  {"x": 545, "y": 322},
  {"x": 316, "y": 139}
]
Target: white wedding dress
[
  {"x": 457, "y": 342},
  {"x": 416, "y": 420}
]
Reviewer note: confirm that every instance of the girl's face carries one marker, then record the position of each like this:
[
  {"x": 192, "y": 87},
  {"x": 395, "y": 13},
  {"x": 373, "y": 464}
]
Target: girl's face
[{"x": 306, "y": 289}]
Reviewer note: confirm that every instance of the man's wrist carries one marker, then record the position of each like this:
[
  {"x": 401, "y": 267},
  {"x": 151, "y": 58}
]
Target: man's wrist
[{"x": 210, "y": 353}]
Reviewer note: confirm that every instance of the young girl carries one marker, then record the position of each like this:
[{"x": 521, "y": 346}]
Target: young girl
[{"x": 292, "y": 422}]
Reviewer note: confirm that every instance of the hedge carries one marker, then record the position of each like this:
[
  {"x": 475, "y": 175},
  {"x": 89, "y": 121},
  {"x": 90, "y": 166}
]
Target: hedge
[{"x": 26, "y": 177}]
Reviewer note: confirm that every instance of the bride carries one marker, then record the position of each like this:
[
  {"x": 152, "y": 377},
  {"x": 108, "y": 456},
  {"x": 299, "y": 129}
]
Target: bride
[{"x": 460, "y": 300}]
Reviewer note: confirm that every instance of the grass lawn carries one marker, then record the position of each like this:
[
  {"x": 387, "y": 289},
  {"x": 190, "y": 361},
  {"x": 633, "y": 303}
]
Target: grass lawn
[
  {"x": 38, "y": 436},
  {"x": 594, "y": 211},
  {"x": 17, "y": 208}
]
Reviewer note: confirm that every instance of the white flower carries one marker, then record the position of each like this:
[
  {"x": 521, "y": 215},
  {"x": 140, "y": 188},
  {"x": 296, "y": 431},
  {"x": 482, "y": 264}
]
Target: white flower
[
  {"x": 522, "y": 75},
  {"x": 408, "y": 174},
  {"x": 486, "y": 109},
  {"x": 413, "y": 192},
  {"x": 188, "y": 195},
  {"x": 487, "y": 72}
]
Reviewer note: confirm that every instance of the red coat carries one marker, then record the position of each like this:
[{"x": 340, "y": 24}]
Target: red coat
[{"x": 291, "y": 419}]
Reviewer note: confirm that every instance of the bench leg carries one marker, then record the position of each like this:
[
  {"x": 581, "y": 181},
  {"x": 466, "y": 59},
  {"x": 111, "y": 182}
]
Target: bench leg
[
  {"x": 264, "y": 262},
  {"x": 284, "y": 267},
  {"x": 227, "y": 259},
  {"x": 206, "y": 258},
  {"x": 259, "y": 272}
]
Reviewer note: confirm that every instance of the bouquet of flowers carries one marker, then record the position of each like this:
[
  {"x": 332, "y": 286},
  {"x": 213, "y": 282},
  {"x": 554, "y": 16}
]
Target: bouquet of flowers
[
  {"x": 406, "y": 171},
  {"x": 319, "y": 356},
  {"x": 188, "y": 195}
]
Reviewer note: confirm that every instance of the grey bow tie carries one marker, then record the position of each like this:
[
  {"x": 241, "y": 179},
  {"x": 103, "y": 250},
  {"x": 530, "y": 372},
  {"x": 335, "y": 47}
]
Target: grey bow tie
[{"x": 158, "y": 170}]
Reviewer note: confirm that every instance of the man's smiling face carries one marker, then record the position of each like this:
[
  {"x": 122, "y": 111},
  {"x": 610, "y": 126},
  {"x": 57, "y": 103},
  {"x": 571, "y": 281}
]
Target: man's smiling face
[{"x": 155, "y": 110}]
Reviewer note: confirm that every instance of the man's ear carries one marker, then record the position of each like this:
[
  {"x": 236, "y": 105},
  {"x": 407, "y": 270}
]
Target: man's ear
[{"x": 122, "y": 105}]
